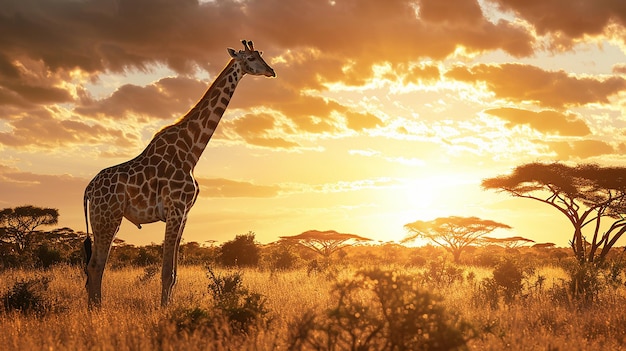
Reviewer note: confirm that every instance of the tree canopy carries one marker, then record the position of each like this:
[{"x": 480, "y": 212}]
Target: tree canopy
[
  {"x": 510, "y": 242},
  {"x": 586, "y": 194},
  {"x": 325, "y": 242},
  {"x": 453, "y": 233},
  {"x": 21, "y": 222}
]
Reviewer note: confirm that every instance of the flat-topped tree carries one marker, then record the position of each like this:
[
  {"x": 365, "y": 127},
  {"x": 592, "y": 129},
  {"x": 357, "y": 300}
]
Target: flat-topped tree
[
  {"x": 326, "y": 242},
  {"x": 544, "y": 246},
  {"x": 453, "y": 233},
  {"x": 509, "y": 243},
  {"x": 586, "y": 194},
  {"x": 20, "y": 224}
]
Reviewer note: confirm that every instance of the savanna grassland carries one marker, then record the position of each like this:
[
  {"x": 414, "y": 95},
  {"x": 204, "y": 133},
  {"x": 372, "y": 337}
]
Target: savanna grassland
[{"x": 517, "y": 303}]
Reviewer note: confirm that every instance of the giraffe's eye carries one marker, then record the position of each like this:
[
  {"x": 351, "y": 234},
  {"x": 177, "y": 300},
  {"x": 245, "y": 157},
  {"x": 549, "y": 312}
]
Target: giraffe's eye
[{"x": 251, "y": 58}]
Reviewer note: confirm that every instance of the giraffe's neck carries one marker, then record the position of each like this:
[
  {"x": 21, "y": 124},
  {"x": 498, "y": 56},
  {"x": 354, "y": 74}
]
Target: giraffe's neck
[{"x": 195, "y": 129}]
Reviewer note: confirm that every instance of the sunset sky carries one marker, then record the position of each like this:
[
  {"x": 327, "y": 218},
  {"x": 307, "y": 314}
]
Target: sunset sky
[{"x": 382, "y": 112}]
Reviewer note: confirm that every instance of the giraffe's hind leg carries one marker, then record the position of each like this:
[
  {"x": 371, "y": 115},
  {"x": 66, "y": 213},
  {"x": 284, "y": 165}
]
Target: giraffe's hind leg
[{"x": 103, "y": 233}]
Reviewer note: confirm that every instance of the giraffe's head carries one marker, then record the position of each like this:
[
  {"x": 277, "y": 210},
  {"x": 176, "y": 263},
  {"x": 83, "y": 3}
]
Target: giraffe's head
[{"x": 251, "y": 61}]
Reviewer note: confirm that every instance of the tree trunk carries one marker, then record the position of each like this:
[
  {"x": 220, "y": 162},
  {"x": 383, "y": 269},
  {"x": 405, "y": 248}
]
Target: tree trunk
[
  {"x": 457, "y": 256},
  {"x": 578, "y": 245}
]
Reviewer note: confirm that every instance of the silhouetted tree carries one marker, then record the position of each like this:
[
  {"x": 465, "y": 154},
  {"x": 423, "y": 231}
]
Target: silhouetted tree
[
  {"x": 585, "y": 194},
  {"x": 241, "y": 252},
  {"x": 509, "y": 243},
  {"x": 454, "y": 234},
  {"x": 20, "y": 224},
  {"x": 325, "y": 243}
]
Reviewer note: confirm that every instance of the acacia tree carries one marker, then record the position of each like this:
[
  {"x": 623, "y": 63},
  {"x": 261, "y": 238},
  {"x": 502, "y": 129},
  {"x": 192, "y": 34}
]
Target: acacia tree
[
  {"x": 585, "y": 194},
  {"x": 326, "y": 242},
  {"x": 509, "y": 243},
  {"x": 20, "y": 224},
  {"x": 453, "y": 233}
]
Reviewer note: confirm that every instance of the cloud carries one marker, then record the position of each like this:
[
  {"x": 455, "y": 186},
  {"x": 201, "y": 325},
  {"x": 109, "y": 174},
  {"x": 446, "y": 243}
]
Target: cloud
[
  {"x": 164, "y": 99},
  {"x": 41, "y": 129},
  {"x": 361, "y": 121},
  {"x": 30, "y": 84},
  {"x": 258, "y": 129},
  {"x": 220, "y": 187},
  {"x": 426, "y": 73},
  {"x": 525, "y": 83},
  {"x": 305, "y": 113},
  {"x": 619, "y": 68},
  {"x": 575, "y": 19},
  {"x": 51, "y": 42},
  {"x": 20, "y": 188},
  {"x": 452, "y": 12},
  {"x": 546, "y": 121},
  {"x": 582, "y": 149},
  {"x": 397, "y": 30},
  {"x": 115, "y": 35}
]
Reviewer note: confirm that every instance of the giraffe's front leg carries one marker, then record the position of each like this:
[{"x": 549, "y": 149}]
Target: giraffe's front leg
[{"x": 173, "y": 233}]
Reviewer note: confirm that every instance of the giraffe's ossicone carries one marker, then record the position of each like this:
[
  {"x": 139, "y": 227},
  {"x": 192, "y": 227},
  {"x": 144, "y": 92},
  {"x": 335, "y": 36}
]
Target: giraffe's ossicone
[{"x": 158, "y": 184}]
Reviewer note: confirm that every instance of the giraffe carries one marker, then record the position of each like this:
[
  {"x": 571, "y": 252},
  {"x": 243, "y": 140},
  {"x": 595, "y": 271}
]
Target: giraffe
[{"x": 158, "y": 184}]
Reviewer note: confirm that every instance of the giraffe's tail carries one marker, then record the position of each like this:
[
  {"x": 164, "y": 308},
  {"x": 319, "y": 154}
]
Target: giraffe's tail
[{"x": 87, "y": 242}]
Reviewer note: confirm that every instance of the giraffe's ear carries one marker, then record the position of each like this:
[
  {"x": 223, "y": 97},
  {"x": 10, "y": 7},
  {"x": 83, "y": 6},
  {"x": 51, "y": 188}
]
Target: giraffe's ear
[{"x": 232, "y": 53}]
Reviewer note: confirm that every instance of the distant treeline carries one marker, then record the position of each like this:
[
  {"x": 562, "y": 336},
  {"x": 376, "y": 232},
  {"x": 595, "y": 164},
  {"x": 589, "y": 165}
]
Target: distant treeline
[{"x": 65, "y": 246}]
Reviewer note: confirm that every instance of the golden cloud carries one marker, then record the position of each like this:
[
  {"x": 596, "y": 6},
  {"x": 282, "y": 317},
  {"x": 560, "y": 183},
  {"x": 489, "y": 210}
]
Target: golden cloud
[
  {"x": 18, "y": 188},
  {"x": 41, "y": 129},
  {"x": 220, "y": 187},
  {"x": 546, "y": 121},
  {"x": 582, "y": 149},
  {"x": 526, "y": 83}
]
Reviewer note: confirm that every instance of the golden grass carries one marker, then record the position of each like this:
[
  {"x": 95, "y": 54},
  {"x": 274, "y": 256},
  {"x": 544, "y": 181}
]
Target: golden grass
[{"x": 131, "y": 318}]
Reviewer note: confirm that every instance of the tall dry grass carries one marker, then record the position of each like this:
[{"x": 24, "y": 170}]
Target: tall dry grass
[{"x": 131, "y": 318}]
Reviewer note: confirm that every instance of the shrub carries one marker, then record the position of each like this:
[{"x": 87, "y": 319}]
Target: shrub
[
  {"x": 148, "y": 273},
  {"x": 506, "y": 282},
  {"x": 487, "y": 293},
  {"x": 148, "y": 256},
  {"x": 240, "y": 252},
  {"x": 614, "y": 274},
  {"x": 241, "y": 307},
  {"x": 281, "y": 257},
  {"x": 46, "y": 256},
  {"x": 192, "y": 319},
  {"x": 584, "y": 282},
  {"x": 27, "y": 297},
  {"x": 381, "y": 310},
  {"x": 508, "y": 276},
  {"x": 441, "y": 273}
]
